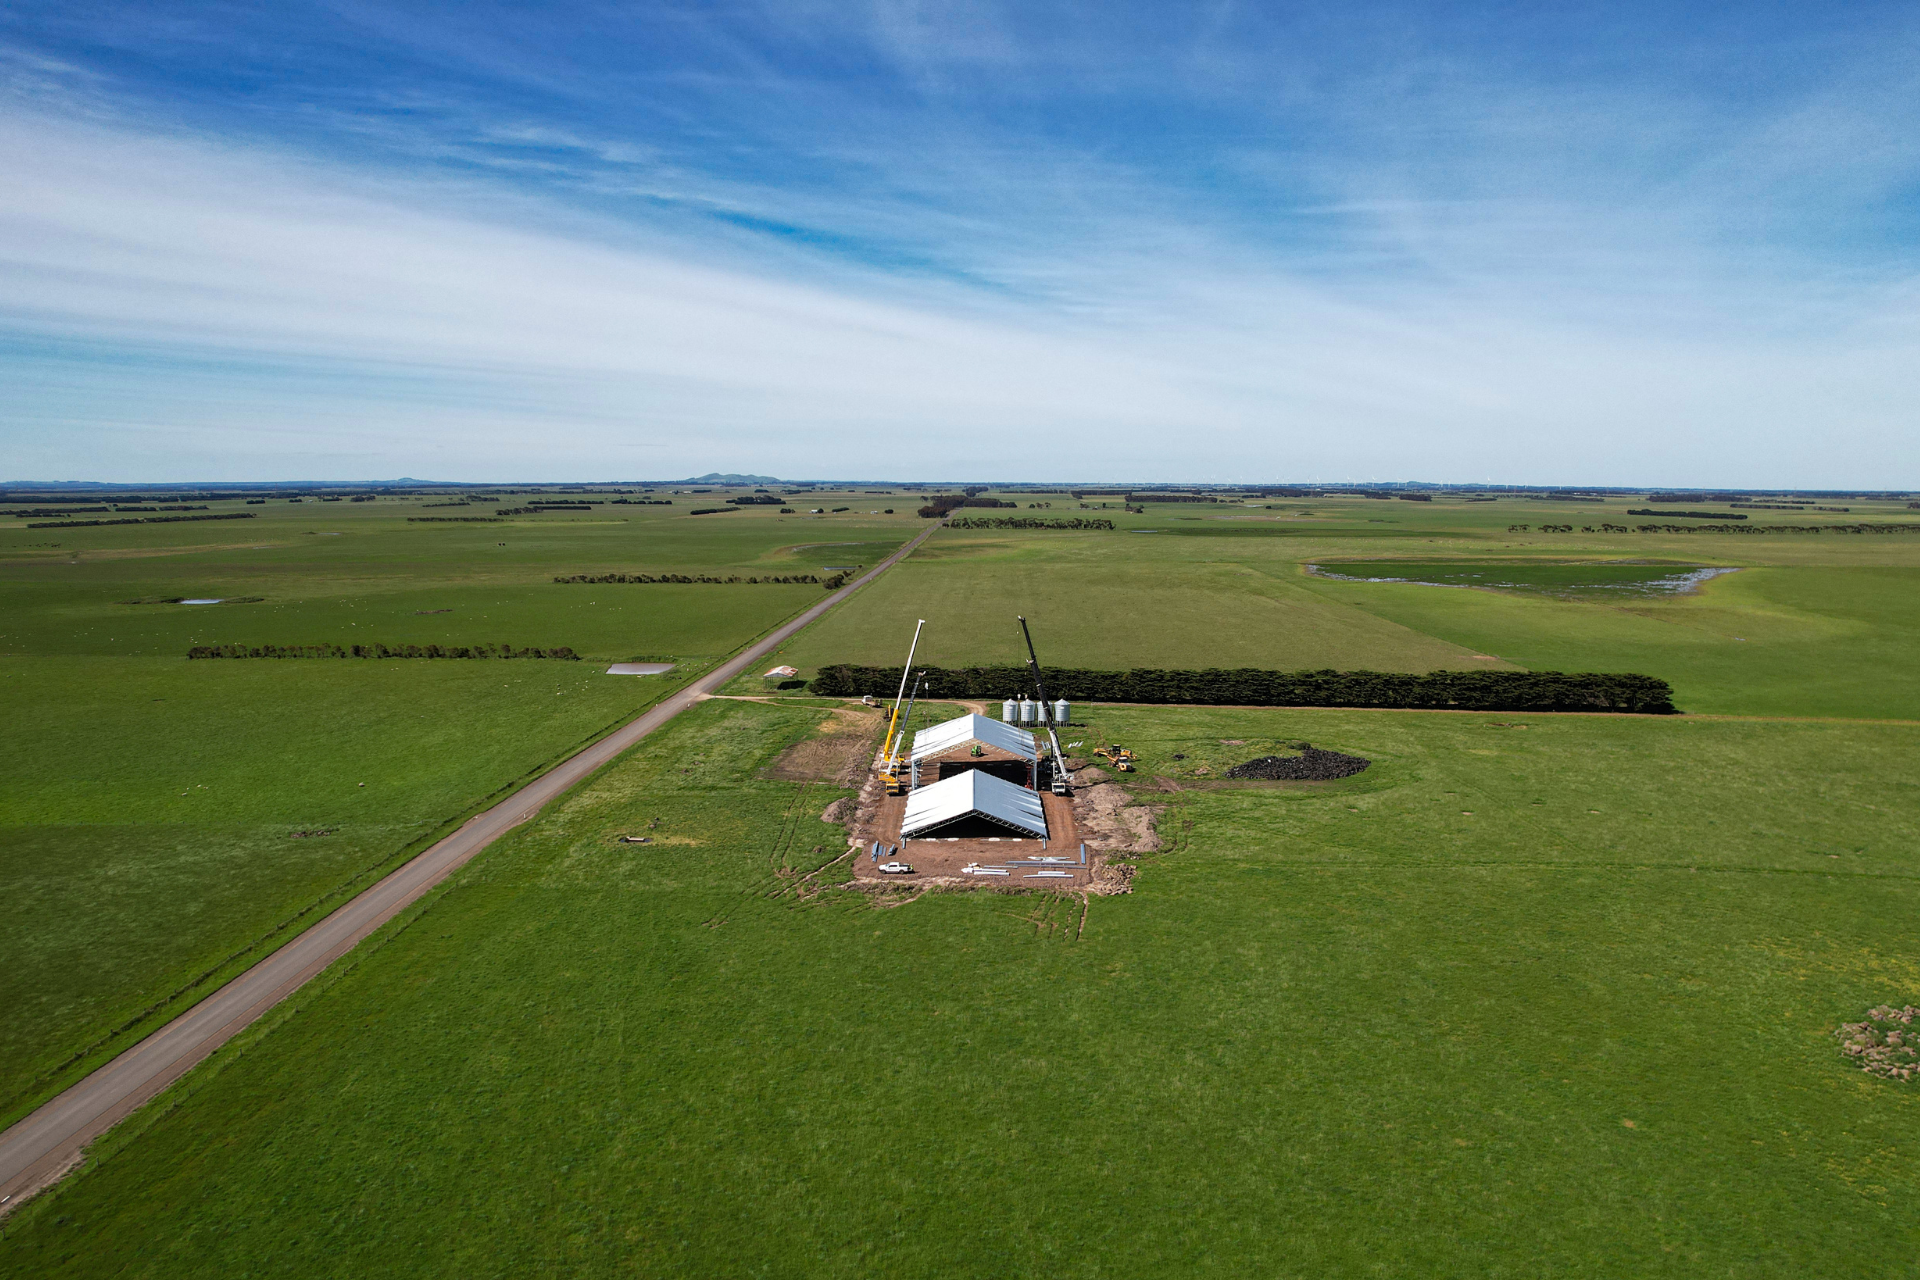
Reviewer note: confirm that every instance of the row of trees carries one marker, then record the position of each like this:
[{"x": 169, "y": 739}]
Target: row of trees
[
  {"x": 1028, "y": 522},
  {"x": 1250, "y": 686},
  {"x": 1722, "y": 528},
  {"x": 377, "y": 651},
  {"x": 943, "y": 504},
  {"x": 831, "y": 581},
  {"x": 76, "y": 524},
  {"x": 1777, "y": 528},
  {"x": 120, "y": 508},
  {"x": 786, "y": 579}
]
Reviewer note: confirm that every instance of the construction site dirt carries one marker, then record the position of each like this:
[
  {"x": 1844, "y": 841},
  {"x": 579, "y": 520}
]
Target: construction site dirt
[
  {"x": 1093, "y": 815},
  {"x": 840, "y": 752}
]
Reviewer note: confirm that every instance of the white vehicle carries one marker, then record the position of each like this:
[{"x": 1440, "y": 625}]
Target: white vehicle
[{"x": 896, "y": 869}]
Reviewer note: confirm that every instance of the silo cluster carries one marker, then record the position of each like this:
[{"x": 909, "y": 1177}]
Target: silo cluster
[{"x": 1029, "y": 711}]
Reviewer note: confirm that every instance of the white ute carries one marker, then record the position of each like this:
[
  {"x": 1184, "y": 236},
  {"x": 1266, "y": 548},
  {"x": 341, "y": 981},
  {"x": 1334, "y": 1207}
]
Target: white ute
[{"x": 896, "y": 869}]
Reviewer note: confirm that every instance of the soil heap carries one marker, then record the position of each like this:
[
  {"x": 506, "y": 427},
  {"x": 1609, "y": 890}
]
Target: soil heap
[{"x": 1311, "y": 765}]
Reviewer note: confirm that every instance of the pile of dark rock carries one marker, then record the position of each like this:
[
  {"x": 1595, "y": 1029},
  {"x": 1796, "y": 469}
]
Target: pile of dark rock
[{"x": 1311, "y": 765}]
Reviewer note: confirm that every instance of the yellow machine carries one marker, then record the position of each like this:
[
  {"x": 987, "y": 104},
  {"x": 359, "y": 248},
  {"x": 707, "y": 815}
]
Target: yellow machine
[
  {"x": 1118, "y": 756},
  {"x": 894, "y": 772}
]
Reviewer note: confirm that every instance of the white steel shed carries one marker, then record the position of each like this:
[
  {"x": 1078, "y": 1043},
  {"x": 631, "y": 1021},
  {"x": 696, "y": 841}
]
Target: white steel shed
[
  {"x": 973, "y": 802},
  {"x": 957, "y": 732}
]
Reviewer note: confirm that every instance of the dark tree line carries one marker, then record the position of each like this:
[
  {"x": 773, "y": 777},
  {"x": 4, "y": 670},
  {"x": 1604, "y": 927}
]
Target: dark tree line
[
  {"x": 830, "y": 581},
  {"x": 788, "y": 579},
  {"x": 75, "y": 524},
  {"x": 1028, "y": 522},
  {"x": 1248, "y": 686},
  {"x": 377, "y": 651},
  {"x": 944, "y": 504}
]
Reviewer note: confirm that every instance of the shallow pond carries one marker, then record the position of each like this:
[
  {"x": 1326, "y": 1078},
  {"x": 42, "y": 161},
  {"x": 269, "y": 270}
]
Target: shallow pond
[{"x": 1608, "y": 578}]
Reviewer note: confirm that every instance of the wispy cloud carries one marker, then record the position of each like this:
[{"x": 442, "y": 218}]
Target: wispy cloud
[{"x": 946, "y": 241}]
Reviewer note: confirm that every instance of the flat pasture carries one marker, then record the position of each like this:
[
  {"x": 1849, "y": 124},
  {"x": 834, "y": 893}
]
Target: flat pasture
[
  {"x": 1106, "y": 600},
  {"x": 167, "y": 822},
  {"x": 1531, "y": 995},
  {"x": 1812, "y": 624},
  {"x": 1841, "y": 639}
]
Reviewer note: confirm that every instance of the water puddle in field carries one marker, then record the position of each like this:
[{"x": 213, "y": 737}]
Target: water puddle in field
[
  {"x": 639, "y": 668},
  {"x": 212, "y": 601},
  {"x": 1615, "y": 578}
]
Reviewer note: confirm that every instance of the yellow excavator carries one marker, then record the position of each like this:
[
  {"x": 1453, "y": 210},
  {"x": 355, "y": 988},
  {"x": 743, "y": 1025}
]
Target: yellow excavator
[{"x": 1118, "y": 756}]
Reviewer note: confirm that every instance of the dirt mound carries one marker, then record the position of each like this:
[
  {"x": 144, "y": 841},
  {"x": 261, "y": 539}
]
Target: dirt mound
[
  {"x": 1111, "y": 879},
  {"x": 1110, "y": 821},
  {"x": 1311, "y": 765},
  {"x": 840, "y": 812}
]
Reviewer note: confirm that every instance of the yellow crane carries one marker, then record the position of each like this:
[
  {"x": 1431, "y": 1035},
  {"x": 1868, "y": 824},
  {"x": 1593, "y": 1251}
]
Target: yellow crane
[
  {"x": 895, "y": 772},
  {"x": 890, "y": 753}
]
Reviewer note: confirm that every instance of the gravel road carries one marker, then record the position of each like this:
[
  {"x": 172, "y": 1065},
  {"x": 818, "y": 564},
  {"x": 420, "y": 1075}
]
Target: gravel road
[{"x": 42, "y": 1147}]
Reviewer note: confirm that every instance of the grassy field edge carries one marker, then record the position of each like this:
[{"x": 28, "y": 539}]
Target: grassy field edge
[{"x": 51, "y": 1083}]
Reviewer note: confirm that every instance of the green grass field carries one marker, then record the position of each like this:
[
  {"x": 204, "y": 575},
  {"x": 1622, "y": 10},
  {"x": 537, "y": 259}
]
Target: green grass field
[
  {"x": 148, "y": 844},
  {"x": 1812, "y": 625},
  {"x": 1840, "y": 639},
  {"x": 1551, "y": 1000},
  {"x": 1099, "y": 600},
  {"x": 1532, "y": 995},
  {"x": 1576, "y": 579}
]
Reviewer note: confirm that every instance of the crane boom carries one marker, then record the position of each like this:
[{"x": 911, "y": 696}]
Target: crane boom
[
  {"x": 1046, "y": 714},
  {"x": 906, "y": 722},
  {"x": 904, "y": 671}
]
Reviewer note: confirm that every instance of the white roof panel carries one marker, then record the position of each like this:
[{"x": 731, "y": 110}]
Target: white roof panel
[
  {"x": 974, "y": 792},
  {"x": 965, "y": 729}
]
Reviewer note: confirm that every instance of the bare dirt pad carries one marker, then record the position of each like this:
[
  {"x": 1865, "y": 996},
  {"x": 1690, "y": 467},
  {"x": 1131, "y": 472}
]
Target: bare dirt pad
[
  {"x": 1110, "y": 820},
  {"x": 840, "y": 753},
  {"x": 1100, "y": 813},
  {"x": 1311, "y": 765},
  {"x": 940, "y": 863}
]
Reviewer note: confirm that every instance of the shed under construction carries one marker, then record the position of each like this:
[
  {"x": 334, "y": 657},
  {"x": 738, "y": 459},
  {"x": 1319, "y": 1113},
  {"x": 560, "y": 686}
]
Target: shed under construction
[
  {"x": 973, "y": 804},
  {"x": 970, "y": 744},
  {"x": 974, "y": 796}
]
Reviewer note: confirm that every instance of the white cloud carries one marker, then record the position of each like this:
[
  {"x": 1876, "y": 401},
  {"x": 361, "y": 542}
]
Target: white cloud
[{"x": 189, "y": 308}]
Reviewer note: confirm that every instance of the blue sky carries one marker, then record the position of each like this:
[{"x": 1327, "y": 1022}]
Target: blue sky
[{"x": 1663, "y": 244}]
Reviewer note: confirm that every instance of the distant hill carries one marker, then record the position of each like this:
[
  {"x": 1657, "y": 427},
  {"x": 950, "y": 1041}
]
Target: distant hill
[{"x": 716, "y": 477}]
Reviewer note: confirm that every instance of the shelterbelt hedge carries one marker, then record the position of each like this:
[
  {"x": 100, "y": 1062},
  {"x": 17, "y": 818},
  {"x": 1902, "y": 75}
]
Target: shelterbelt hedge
[{"x": 1251, "y": 687}]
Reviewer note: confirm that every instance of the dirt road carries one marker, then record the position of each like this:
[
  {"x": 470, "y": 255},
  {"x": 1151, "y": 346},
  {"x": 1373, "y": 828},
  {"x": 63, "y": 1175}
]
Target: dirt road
[{"x": 42, "y": 1147}]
